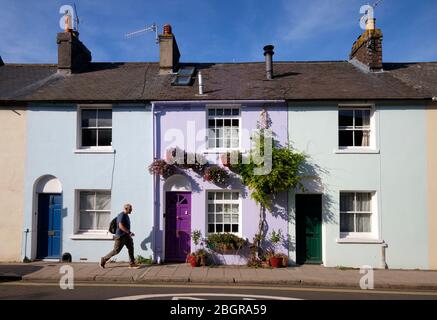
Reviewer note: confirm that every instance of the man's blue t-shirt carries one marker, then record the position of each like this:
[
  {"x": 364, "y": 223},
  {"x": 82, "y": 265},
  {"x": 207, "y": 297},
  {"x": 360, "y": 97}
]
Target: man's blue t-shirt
[{"x": 124, "y": 219}]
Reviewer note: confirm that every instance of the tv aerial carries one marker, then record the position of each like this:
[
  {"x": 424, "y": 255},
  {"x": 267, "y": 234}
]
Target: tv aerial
[
  {"x": 376, "y": 4},
  {"x": 76, "y": 17},
  {"x": 153, "y": 28}
]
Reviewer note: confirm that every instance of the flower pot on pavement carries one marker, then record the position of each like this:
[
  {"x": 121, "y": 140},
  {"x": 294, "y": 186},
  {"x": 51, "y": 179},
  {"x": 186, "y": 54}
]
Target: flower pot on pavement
[
  {"x": 192, "y": 260},
  {"x": 276, "y": 262}
]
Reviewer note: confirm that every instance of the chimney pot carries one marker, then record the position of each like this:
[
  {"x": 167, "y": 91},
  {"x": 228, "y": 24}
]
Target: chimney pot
[
  {"x": 268, "y": 53},
  {"x": 167, "y": 29},
  {"x": 370, "y": 25}
]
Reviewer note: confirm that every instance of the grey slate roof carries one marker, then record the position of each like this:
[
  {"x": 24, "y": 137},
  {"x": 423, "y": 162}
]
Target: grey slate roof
[
  {"x": 108, "y": 82},
  {"x": 422, "y": 76}
]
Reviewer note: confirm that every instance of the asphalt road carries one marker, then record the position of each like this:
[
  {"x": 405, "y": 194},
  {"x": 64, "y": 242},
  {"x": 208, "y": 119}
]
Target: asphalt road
[{"x": 94, "y": 291}]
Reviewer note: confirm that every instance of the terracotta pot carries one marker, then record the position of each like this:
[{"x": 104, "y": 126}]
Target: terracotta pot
[
  {"x": 276, "y": 262},
  {"x": 192, "y": 260}
]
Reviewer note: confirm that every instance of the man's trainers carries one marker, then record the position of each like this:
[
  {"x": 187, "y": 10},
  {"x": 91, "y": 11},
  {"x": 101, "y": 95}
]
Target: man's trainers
[
  {"x": 102, "y": 263},
  {"x": 133, "y": 266}
]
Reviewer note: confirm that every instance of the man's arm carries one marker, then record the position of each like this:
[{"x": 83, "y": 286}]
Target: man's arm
[{"x": 123, "y": 228}]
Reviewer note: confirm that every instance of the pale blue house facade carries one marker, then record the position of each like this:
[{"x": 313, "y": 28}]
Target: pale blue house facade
[
  {"x": 393, "y": 170},
  {"x": 57, "y": 164}
]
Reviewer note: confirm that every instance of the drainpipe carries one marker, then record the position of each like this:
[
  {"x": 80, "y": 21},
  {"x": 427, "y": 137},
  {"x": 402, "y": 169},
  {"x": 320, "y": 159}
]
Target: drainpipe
[
  {"x": 383, "y": 255},
  {"x": 153, "y": 185}
]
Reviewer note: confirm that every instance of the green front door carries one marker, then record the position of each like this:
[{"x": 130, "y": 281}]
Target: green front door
[{"x": 309, "y": 228}]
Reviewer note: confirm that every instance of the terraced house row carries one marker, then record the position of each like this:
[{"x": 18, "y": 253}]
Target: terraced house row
[{"x": 77, "y": 138}]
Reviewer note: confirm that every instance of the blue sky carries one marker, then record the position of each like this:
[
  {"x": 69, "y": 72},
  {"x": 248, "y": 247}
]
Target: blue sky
[{"x": 219, "y": 30}]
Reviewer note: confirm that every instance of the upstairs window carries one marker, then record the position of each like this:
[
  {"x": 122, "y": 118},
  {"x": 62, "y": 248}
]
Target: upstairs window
[
  {"x": 224, "y": 128},
  {"x": 354, "y": 127},
  {"x": 96, "y": 128}
]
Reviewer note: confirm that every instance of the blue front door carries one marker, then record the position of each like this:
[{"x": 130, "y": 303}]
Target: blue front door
[{"x": 49, "y": 226}]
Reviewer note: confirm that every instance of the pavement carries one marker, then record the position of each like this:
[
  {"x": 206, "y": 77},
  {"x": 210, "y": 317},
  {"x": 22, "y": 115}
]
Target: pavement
[{"x": 305, "y": 276}]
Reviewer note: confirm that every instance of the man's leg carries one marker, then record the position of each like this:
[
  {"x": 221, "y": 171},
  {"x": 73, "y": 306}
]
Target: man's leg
[
  {"x": 130, "y": 249},
  {"x": 118, "y": 245}
]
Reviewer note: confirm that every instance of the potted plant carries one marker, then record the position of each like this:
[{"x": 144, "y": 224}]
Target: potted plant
[
  {"x": 162, "y": 168},
  {"x": 225, "y": 243},
  {"x": 194, "y": 257},
  {"x": 276, "y": 259},
  {"x": 201, "y": 255},
  {"x": 216, "y": 175}
]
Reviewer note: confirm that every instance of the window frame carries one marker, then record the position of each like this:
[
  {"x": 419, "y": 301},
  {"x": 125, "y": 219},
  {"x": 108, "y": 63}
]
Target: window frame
[
  {"x": 372, "y": 128},
  {"x": 374, "y": 222},
  {"x": 223, "y": 117},
  {"x": 79, "y": 147},
  {"x": 78, "y": 212},
  {"x": 239, "y": 201}
]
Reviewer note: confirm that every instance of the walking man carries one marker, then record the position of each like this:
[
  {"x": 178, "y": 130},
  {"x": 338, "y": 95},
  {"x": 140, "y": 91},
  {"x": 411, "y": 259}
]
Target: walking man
[{"x": 123, "y": 237}]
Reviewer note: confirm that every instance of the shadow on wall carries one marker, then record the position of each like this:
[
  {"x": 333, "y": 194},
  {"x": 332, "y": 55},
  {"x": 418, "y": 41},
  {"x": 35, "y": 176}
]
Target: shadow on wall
[
  {"x": 195, "y": 186},
  {"x": 147, "y": 242},
  {"x": 279, "y": 210},
  {"x": 312, "y": 181},
  {"x": 313, "y": 176}
]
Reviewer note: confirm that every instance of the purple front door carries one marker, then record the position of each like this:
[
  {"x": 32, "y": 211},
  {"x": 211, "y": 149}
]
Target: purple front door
[{"x": 177, "y": 226}]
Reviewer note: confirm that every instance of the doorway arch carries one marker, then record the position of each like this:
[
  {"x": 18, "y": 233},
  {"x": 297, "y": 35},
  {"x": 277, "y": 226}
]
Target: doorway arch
[
  {"x": 177, "y": 218},
  {"x": 47, "y": 220}
]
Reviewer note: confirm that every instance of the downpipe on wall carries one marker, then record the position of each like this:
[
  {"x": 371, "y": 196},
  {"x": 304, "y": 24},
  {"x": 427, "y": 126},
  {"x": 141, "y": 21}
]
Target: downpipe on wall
[
  {"x": 384, "y": 246},
  {"x": 156, "y": 256}
]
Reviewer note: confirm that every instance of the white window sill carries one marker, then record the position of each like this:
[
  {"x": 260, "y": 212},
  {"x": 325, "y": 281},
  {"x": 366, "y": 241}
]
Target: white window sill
[
  {"x": 360, "y": 240},
  {"x": 94, "y": 150},
  {"x": 220, "y": 151},
  {"x": 92, "y": 236},
  {"x": 357, "y": 151}
]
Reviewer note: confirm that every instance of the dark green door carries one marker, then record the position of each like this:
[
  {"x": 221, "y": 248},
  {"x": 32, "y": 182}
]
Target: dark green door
[{"x": 309, "y": 228}]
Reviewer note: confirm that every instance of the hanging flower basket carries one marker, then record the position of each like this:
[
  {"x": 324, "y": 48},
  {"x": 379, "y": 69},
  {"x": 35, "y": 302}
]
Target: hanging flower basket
[
  {"x": 230, "y": 159},
  {"x": 184, "y": 160},
  {"x": 216, "y": 175},
  {"x": 162, "y": 168}
]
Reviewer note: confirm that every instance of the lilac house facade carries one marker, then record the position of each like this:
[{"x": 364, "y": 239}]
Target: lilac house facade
[{"x": 212, "y": 208}]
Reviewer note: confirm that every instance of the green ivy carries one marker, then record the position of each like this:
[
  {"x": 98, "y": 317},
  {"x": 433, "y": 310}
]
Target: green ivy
[{"x": 284, "y": 174}]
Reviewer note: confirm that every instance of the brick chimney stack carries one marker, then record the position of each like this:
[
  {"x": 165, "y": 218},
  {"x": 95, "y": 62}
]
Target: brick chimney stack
[
  {"x": 73, "y": 55},
  {"x": 367, "y": 50},
  {"x": 168, "y": 51}
]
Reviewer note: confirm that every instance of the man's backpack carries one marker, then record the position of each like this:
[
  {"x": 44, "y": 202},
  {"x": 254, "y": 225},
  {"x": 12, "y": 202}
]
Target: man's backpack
[{"x": 113, "y": 226}]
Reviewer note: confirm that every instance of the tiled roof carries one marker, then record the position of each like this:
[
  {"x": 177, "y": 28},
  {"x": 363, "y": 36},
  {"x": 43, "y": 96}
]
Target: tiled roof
[
  {"x": 338, "y": 80},
  {"x": 422, "y": 76}
]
